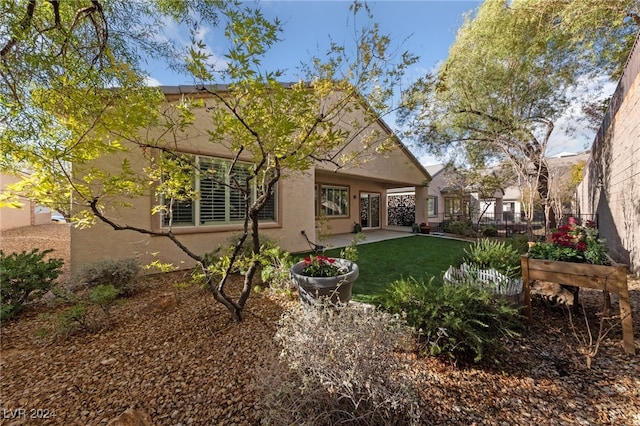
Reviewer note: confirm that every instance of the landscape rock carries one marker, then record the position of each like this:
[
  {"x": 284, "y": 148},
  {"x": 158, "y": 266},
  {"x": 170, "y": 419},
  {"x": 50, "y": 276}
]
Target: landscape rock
[{"x": 163, "y": 303}]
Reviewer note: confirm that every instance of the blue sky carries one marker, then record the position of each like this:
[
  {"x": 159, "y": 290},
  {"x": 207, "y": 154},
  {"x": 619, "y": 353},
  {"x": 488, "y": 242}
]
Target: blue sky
[{"x": 426, "y": 28}]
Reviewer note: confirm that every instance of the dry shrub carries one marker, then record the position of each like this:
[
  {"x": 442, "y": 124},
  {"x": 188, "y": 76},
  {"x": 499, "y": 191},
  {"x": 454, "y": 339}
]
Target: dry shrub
[{"x": 338, "y": 366}]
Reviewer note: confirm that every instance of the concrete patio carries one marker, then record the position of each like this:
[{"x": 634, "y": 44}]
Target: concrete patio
[{"x": 372, "y": 236}]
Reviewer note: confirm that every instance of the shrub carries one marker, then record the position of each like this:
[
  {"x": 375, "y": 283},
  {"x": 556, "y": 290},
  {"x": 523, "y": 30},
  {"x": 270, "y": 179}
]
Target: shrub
[
  {"x": 489, "y": 231},
  {"x": 519, "y": 243},
  {"x": 121, "y": 274},
  {"x": 338, "y": 367},
  {"x": 462, "y": 227},
  {"x": 276, "y": 265},
  {"x": 218, "y": 260},
  {"x": 25, "y": 277},
  {"x": 459, "y": 321},
  {"x": 73, "y": 319},
  {"x": 491, "y": 254},
  {"x": 104, "y": 296}
]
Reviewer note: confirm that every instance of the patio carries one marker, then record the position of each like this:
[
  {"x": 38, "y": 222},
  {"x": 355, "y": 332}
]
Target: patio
[{"x": 372, "y": 236}]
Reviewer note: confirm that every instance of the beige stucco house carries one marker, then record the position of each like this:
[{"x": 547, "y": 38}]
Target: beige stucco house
[{"x": 318, "y": 200}]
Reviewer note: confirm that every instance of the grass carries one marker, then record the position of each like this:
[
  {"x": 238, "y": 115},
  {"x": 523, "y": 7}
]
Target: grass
[{"x": 383, "y": 262}]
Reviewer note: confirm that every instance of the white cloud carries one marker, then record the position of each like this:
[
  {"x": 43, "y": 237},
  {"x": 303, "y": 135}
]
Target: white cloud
[{"x": 151, "y": 82}]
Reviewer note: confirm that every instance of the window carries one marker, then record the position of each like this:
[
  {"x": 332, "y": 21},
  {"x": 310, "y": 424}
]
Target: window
[
  {"x": 219, "y": 202},
  {"x": 452, "y": 206},
  {"x": 334, "y": 201},
  {"x": 432, "y": 206}
]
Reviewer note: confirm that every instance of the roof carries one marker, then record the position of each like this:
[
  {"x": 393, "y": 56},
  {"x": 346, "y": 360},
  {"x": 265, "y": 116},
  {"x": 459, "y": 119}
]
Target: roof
[{"x": 434, "y": 169}]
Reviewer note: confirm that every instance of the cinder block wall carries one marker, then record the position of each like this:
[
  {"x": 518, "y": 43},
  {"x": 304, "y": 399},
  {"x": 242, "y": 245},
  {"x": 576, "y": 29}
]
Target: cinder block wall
[{"x": 611, "y": 184}]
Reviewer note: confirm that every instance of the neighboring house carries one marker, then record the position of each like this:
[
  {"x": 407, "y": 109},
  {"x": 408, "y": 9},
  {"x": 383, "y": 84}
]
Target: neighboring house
[
  {"x": 447, "y": 200},
  {"x": 450, "y": 200},
  {"x": 320, "y": 198},
  {"x": 28, "y": 214},
  {"x": 611, "y": 184}
]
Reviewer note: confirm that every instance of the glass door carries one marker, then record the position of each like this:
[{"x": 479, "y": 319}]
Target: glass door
[{"x": 370, "y": 210}]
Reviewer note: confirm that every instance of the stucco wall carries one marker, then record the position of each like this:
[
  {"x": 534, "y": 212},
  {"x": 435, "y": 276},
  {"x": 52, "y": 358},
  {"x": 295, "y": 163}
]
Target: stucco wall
[
  {"x": 102, "y": 242},
  {"x": 611, "y": 183},
  {"x": 24, "y": 216}
]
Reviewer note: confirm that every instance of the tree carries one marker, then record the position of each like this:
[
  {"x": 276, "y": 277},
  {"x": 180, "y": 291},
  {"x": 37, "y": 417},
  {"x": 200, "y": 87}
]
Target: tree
[
  {"x": 281, "y": 128},
  {"x": 509, "y": 77},
  {"x": 61, "y": 56},
  {"x": 482, "y": 182}
]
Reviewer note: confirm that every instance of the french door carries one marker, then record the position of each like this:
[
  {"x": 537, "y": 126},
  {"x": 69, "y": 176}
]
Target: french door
[{"x": 370, "y": 210}]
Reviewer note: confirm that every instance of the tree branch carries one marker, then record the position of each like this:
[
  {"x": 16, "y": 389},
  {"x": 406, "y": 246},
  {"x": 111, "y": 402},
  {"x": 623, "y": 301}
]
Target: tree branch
[{"x": 25, "y": 23}]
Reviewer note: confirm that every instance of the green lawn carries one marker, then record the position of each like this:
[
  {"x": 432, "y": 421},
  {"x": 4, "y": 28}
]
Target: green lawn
[{"x": 383, "y": 262}]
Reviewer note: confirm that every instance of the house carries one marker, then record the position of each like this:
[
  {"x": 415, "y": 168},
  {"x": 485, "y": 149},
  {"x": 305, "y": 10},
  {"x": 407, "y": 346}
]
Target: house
[
  {"x": 29, "y": 214},
  {"x": 319, "y": 199},
  {"x": 448, "y": 199},
  {"x": 451, "y": 197},
  {"x": 610, "y": 187}
]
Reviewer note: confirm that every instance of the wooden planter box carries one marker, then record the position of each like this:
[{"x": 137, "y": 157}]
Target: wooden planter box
[{"x": 600, "y": 277}]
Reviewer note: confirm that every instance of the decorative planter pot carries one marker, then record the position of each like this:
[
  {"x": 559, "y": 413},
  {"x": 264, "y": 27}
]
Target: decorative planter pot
[
  {"x": 425, "y": 229},
  {"x": 336, "y": 289},
  {"x": 600, "y": 277}
]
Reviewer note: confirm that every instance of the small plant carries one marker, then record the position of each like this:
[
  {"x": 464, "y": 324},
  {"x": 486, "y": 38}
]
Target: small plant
[
  {"x": 339, "y": 367},
  {"x": 519, "y": 243},
  {"x": 73, "y": 319},
  {"x": 276, "y": 264},
  {"x": 217, "y": 261},
  {"x": 25, "y": 277},
  {"x": 460, "y": 321},
  {"x": 350, "y": 252},
  {"x": 491, "y": 254},
  {"x": 104, "y": 296},
  {"x": 121, "y": 274}
]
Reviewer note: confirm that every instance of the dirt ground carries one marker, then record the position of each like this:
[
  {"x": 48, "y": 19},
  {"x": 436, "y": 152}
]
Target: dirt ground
[
  {"x": 56, "y": 236},
  {"x": 191, "y": 365}
]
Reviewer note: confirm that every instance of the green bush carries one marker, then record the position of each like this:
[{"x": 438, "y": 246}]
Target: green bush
[
  {"x": 73, "y": 319},
  {"x": 462, "y": 227},
  {"x": 520, "y": 243},
  {"x": 489, "y": 231},
  {"x": 338, "y": 366},
  {"x": 276, "y": 265},
  {"x": 25, "y": 277},
  {"x": 491, "y": 254},
  {"x": 219, "y": 259},
  {"x": 122, "y": 274},
  {"x": 104, "y": 296},
  {"x": 459, "y": 321}
]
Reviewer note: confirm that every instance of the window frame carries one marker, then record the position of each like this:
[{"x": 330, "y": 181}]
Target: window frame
[
  {"x": 432, "y": 206},
  {"x": 197, "y": 212},
  {"x": 321, "y": 211}
]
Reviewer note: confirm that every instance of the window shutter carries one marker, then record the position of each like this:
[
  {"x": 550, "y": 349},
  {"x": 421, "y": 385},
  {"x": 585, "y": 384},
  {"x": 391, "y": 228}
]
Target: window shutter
[{"x": 212, "y": 191}]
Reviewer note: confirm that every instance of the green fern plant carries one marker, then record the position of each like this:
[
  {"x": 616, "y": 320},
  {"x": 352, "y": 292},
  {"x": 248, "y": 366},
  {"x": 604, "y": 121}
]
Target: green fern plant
[{"x": 492, "y": 254}]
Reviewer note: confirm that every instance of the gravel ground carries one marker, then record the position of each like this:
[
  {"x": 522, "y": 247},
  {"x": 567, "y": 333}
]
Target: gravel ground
[{"x": 190, "y": 364}]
